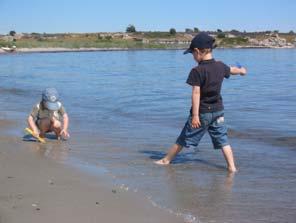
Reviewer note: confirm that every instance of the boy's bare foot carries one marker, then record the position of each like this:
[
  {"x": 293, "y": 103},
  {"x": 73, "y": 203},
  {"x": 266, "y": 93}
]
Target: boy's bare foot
[
  {"x": 173, "y": 151},
  {"x": 232, "y": 170},
  {"x": 162, "y": 162}
]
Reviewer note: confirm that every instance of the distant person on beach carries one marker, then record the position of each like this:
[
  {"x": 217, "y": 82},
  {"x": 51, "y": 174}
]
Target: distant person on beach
[
  {"x": 206, "y": 114},
  {"x": 49, "y": 115}
]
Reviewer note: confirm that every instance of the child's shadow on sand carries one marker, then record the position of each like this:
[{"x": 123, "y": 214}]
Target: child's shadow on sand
[{"x": 184, "y": 157}]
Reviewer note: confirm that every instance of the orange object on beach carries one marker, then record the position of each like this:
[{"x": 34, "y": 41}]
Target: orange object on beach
[{"x": 35, "y": 136}]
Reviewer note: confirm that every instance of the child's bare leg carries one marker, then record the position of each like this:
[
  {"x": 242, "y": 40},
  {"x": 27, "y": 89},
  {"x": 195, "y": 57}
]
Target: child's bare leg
[
  {"x": 173, "y": 151},
  {"x": 44, "y": 125},
  {"x": 228, "y": 155},
  {"x": 56, "y": 127}
]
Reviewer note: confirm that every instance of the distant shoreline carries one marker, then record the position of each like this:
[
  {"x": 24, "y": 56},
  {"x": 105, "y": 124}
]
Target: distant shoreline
[
  {"x": 65, "y": 50},
  {"x": 130, "y": 41}
]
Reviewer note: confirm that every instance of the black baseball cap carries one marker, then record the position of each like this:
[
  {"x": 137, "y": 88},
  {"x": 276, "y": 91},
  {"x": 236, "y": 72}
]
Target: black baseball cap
[{"x": 201, "y": 41}]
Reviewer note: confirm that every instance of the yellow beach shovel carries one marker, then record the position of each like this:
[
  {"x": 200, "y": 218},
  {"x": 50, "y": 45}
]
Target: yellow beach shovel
[{"x": 35, "y": 136}]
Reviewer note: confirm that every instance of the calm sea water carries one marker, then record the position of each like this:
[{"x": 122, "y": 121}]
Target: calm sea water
[{"x": 127, "y": 108}]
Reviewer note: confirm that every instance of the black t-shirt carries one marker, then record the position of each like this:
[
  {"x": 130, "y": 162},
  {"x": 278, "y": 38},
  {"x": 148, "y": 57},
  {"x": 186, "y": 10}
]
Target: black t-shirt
[{"x": 209, "y": 75}]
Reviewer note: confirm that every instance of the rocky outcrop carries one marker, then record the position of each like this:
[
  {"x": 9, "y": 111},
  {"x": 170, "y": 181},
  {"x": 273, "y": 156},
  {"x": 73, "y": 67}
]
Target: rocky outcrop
[{"x": 272, "y": 41}]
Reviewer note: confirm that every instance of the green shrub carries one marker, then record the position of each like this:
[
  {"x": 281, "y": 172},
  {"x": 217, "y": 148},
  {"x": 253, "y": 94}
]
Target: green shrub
[
  {"x": 12, "y": 33},
  {"x": 173, "y": 31},
  {"x": 221, "y": 35},
  {"x": 234, "y": 41},
  {"x": 189, "y": 31},
  {"x": 157, "y": 35},
  {"x": 108, "y": 38},
  {"x": 131, "y": 29}
]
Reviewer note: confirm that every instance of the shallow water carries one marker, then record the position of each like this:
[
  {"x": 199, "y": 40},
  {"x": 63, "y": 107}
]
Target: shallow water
[{"x": 126, "y": 109}]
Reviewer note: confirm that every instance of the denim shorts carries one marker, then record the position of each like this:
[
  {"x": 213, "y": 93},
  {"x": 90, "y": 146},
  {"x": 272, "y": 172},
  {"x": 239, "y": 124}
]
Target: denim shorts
[{"x": 210, "y": 122}]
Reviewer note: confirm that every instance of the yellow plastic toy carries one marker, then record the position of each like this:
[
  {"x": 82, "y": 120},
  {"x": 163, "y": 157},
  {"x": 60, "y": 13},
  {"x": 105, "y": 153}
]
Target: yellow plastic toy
[{"x": 35, "y": 136}]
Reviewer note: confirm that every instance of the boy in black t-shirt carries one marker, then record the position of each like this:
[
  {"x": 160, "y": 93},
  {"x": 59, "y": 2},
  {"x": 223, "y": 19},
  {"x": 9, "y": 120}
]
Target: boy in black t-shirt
[{"x": 206, "y": 114}]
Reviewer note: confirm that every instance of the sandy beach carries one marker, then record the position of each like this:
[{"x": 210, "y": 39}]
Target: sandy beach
[{"x": 38, "y": 189}]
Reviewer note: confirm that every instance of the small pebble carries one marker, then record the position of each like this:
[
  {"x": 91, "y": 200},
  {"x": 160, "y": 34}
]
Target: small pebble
[
  {"x": 50, "y": 182},
  {"x": 34, "y": 205},
  {"x": 114, "y": 191},
  {"x": 97, "y": 203},
  {"x": 37, "y": 209},
  {"x": 19, "y": 196}
]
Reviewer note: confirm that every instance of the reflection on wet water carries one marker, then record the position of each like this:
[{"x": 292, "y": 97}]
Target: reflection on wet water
[
  {"x": 270, "y": 137},
  {"x": 13, "y": 91},
  {"x": 54, "y": 149}
]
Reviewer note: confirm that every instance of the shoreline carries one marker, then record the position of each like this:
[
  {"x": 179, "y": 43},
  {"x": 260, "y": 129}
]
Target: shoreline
[
  {"x": 35, "y": 188},
  {"x": 65, "y": 50}
]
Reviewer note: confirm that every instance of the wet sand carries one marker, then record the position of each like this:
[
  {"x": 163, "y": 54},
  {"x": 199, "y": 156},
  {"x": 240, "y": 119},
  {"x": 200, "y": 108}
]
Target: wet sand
[{"x": 38, "y": 189}]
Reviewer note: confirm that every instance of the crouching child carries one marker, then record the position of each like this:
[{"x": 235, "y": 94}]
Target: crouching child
[{"x": 49, "y": 115}]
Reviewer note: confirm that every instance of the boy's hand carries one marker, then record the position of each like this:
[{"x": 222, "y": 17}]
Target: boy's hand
[
  {"x": 64, "y": 133},
  {"x": 238, "y": 70},
  {"x": 243, "y": 71},
  {"x": 36, "y": 132},
  {"x": 195, "y": 122}
]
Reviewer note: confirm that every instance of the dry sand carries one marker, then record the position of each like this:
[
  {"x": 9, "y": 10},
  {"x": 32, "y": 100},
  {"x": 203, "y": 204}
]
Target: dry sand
[{"x": 34, "y": 188}]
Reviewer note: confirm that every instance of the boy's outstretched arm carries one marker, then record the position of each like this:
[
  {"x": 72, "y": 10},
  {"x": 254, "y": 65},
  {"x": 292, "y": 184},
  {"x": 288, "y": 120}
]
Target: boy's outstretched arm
[{"x": 235, "y": 70}]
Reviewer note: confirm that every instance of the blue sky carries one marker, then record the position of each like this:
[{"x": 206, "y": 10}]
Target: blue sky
[{"x": 54, "y": 16}]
